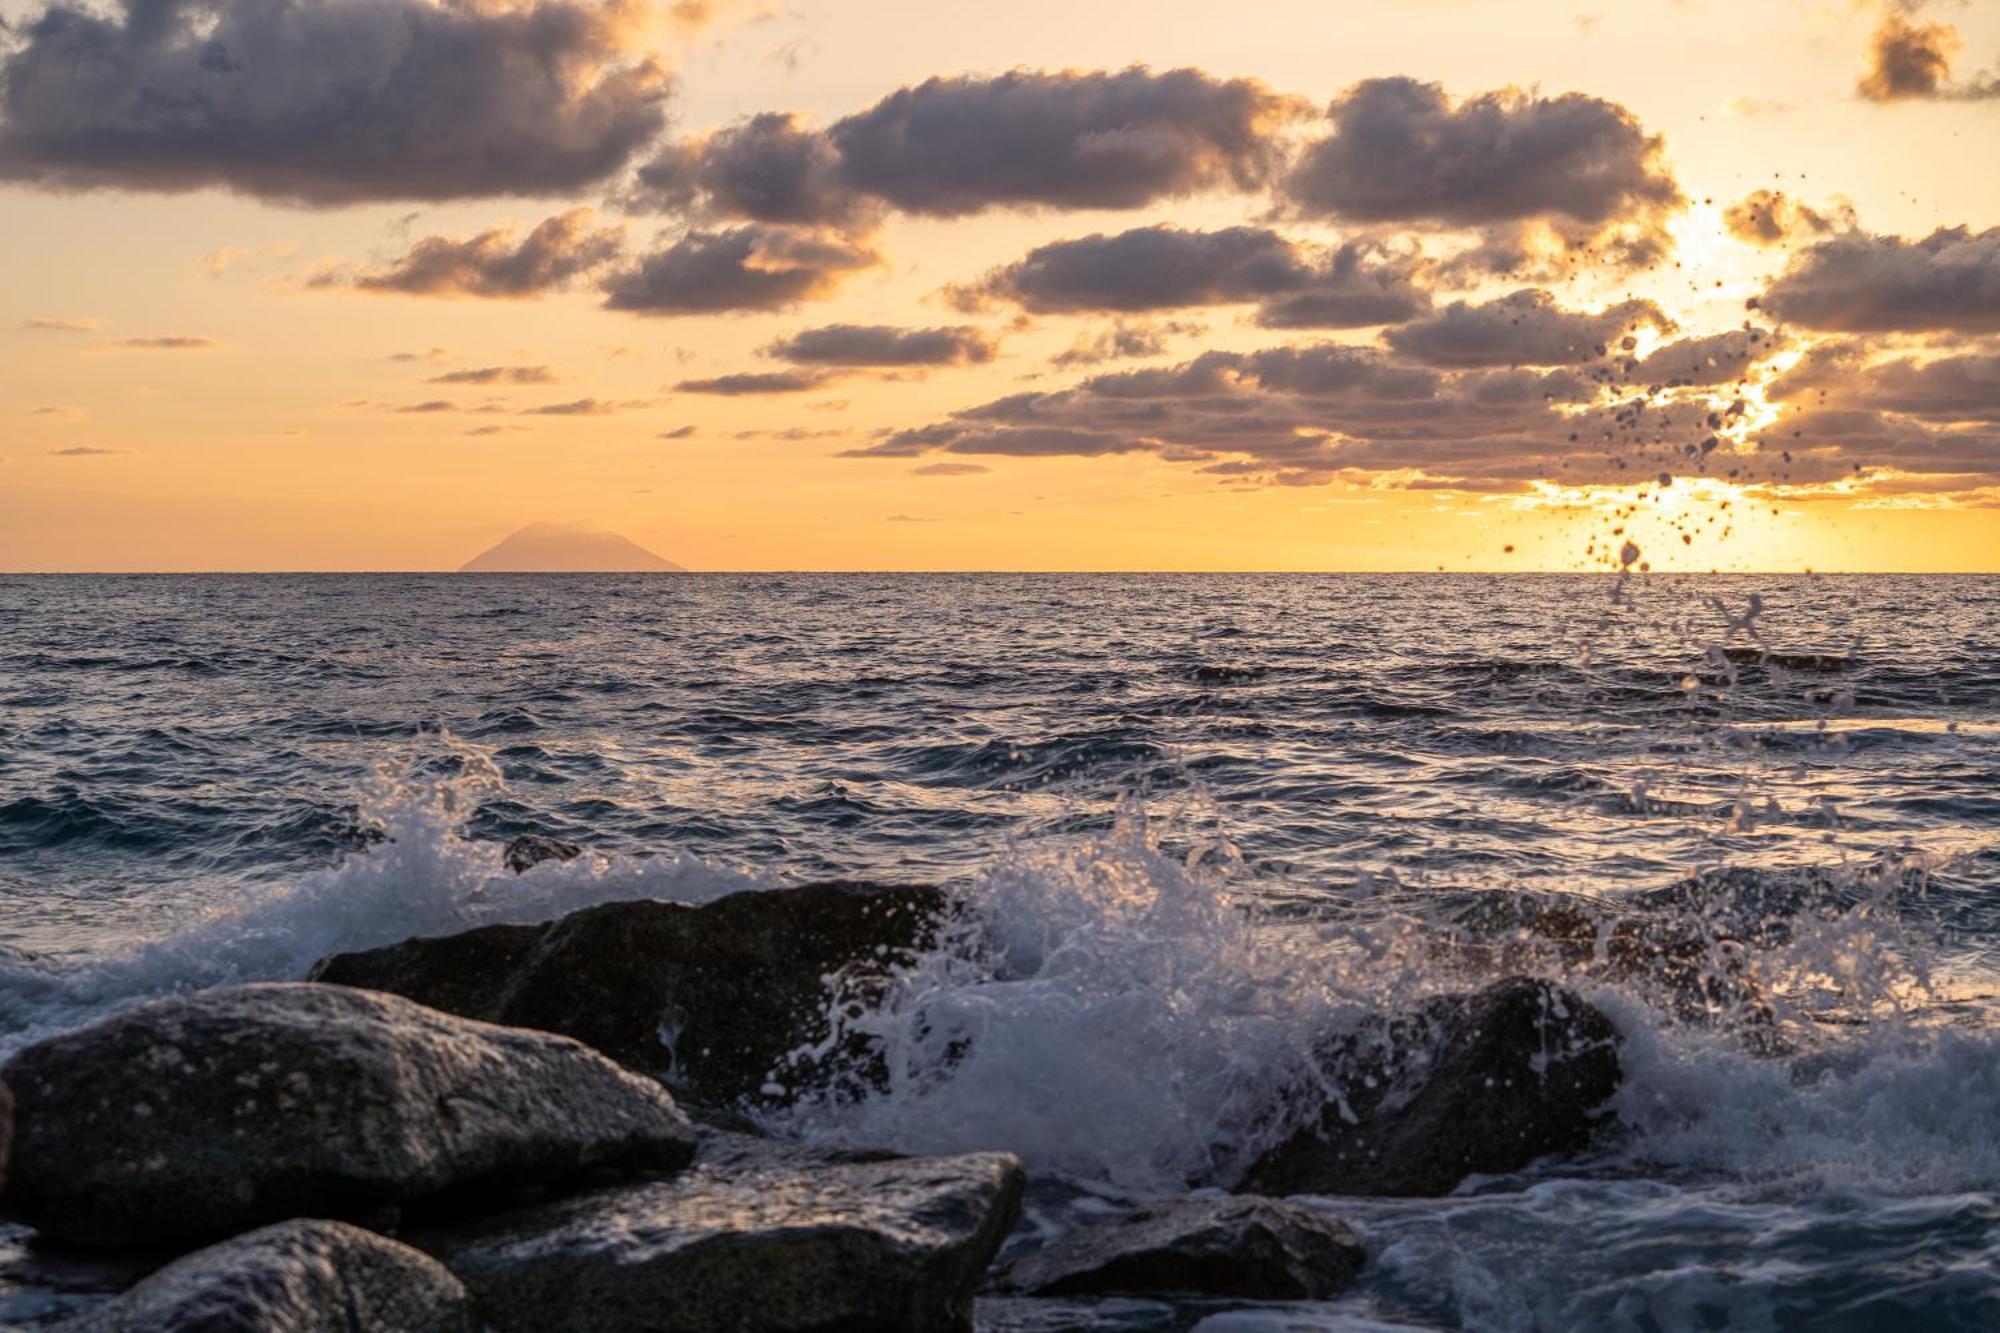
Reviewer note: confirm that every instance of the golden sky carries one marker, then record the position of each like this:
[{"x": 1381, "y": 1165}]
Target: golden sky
[{"x": 877, "y": 284}]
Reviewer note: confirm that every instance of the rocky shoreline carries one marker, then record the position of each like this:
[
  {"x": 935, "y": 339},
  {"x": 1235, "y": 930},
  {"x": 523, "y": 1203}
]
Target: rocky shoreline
[{"x": 549, "y": 1127}]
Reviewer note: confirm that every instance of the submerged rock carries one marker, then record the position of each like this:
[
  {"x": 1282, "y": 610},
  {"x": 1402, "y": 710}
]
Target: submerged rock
[
  {"x": 531, "y": 849},
  {"x": 749, "y": 1240},
  {"x": 302, "y": 1276},
  {"x": 1258, "y": 1249},
  {"x": 192, "y": 1117},
  {"x": 1469, "y": 1084},
  {"x": 708, "y": 999}
]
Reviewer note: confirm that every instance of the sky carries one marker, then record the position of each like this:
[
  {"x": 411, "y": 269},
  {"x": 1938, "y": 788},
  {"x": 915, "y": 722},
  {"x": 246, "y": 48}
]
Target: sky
[{"x": 878, "y": 284}]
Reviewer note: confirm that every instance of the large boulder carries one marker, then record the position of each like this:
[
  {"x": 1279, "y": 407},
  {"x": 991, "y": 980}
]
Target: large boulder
[
  {"x": 710, "y": 1000},
  {"x": 1479, "y": 1083},
  {"x": 191, "y": 1118},
  {"x": 749, "y": 1239},
  {"x": 302, "y": 1276},
  {"x": 1256, "y": 1249}
]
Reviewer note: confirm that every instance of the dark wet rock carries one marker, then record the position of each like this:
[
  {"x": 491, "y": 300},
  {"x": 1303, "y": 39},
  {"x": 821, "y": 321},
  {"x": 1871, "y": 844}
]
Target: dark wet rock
[
  {"x": 750, "y": 1241},
  {"x": 708, "y": 999},
  {"x": 531, "y": 849},
  {"x": 1694, "y": 964},
  {"x": 1223, "y": 673},
  {"x": 302, "y": 1276},
  {"x": 1469, "y": 1084},
  {"x": 1787, "y": 659},
  {"x": 1258, "y": 1249},
  {"x": 193, "y": 1117}
]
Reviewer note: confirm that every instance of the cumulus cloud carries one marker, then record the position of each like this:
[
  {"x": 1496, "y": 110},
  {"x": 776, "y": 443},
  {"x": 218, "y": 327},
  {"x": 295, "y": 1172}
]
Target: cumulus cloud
[
  {"x": 741, "y": 268},
  {"x": 329, "y": 104},
  {"x": 1859, "y": 283},
  {"x": 949, "y": 147},
  {"x": 493, "y": 263},
  {"x": 1772, "y": 217},
  {"x": 496, "y": 375},
  {"x": 1580, "y": 167},
  {"x": 756, "y": 382},
  {"x": 769, "y": 168},
  {"x": 1355, "y": 285},
  {"x": 880, "y": 345},
  {"x": 1525, "y": 328},
  {"x": 1711, "y": 359},
  {"x": 1907, "y": 59}
]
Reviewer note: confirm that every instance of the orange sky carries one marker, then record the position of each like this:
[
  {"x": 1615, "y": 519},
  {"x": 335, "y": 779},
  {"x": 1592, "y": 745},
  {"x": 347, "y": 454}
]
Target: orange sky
[{"x": 228, "y": 349}]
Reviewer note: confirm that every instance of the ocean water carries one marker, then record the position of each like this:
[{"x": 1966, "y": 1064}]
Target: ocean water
[{"x": 1194, "y": 819}]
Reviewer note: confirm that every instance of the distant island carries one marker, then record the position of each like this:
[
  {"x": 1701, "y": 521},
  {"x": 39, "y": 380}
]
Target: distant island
[{"x": 566, "y": 548}]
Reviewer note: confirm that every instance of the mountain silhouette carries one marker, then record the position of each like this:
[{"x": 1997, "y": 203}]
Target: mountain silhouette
[{"x": 565, "y": 548}]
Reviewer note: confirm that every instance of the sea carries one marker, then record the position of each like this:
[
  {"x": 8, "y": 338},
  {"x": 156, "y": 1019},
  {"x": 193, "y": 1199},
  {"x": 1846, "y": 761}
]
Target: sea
[{"x": 1198, "y": 818}]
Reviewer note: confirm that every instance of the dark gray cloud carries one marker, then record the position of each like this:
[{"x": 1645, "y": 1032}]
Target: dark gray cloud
[
  {"x": 1401, "y": 151},
  {"x": 496, "y": 375},
  {"x": 769, "y": 168},
  {"x": 886, "y": 346},
  {"x": 948, "y": 147},
  {"x": 749, "y": 383},
  {"x": 329, "y": 103},
  {"x": 1948, "y": 281},
  {"x": 1772, "y": 217},
  {"x": 1355, "y": 285},
  {"x": 1062, "y": 140},
  {"x": 1310, "y": 414},
  {"x": 741, "y": 268},
  {"x": 494, "y": 263},
  {"x": 1525, "y": 328}
]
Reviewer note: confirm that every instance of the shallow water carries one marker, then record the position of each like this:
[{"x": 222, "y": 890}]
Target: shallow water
[{"x": 205, "y": 779}]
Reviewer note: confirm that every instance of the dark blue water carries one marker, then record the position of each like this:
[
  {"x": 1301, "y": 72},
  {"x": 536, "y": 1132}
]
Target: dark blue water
[{"x": 206, "y": 778}]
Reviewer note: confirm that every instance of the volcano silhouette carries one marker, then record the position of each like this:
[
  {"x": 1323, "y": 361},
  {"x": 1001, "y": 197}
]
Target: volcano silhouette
[{"x": 566, "y": 548}]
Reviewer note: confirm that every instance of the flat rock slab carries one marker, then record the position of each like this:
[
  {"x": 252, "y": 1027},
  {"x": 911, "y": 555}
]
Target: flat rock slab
[
  {"x": 710, "y": 1000},
  {"x": 748, "y": 1243},
  {"x": 1257, "y": 1249},
  {"x": 1470, "y": 1084},
  {"x": 302, "y": 1276},
  {"x": 192, "y": 1118}
]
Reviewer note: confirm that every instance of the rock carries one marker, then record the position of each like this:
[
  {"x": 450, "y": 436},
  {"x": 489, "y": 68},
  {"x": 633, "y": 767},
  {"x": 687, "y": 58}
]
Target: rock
[
  {"x": 1257, "y": 1249},
  {"x": 194, "y": 1117},
  {"x": 708, "y": 999},
  {"x": 302, "y": 1276},
  {"x": 531, "y": 849},
  {"x": 748, "y": 1241},
  {"x": 1469, "y": 1084}
]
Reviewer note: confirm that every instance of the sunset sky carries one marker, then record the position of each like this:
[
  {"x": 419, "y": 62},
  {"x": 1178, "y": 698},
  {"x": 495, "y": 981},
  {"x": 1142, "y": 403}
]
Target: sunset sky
[{"x": 880, "y": 284}]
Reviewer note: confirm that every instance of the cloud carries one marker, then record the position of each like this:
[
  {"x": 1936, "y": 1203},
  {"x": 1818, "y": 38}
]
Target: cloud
[
  {"x": 1124, "y": 340},
  {"x": 769, "y": 168},
  {"x": 1772, "y": 217},
  {"x": 741, "y": 268},
  {"x": 329, "y": 104},
  {"x": 1161, "y": 267},
  {"x": 1717, "y": 358},
  {"x": 60, "y": 325},
  {"x": 1579, "y": 166},
  {"x": 428, "y": 407},
  {"x": 950, "y": 470},
  {"x": 1907, "y": 59},
  {"x": 948, "y": 147},
  {"x": 1306, "y": 415},
  {"x": 757, "y": 382},
  {"x": 496, "y": 375},
  {"x": 173, "y": 342},
  {"x": 1526, "y": 328},
  {"x": 86, "y": 451},
  {"x": 678, "y": 433},
  {"x": 1859, "y": 283},
  {"x": 580, "y": 407},
  {"x": 493, "y": 264},
  {"x": 860, "y": 345}
]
